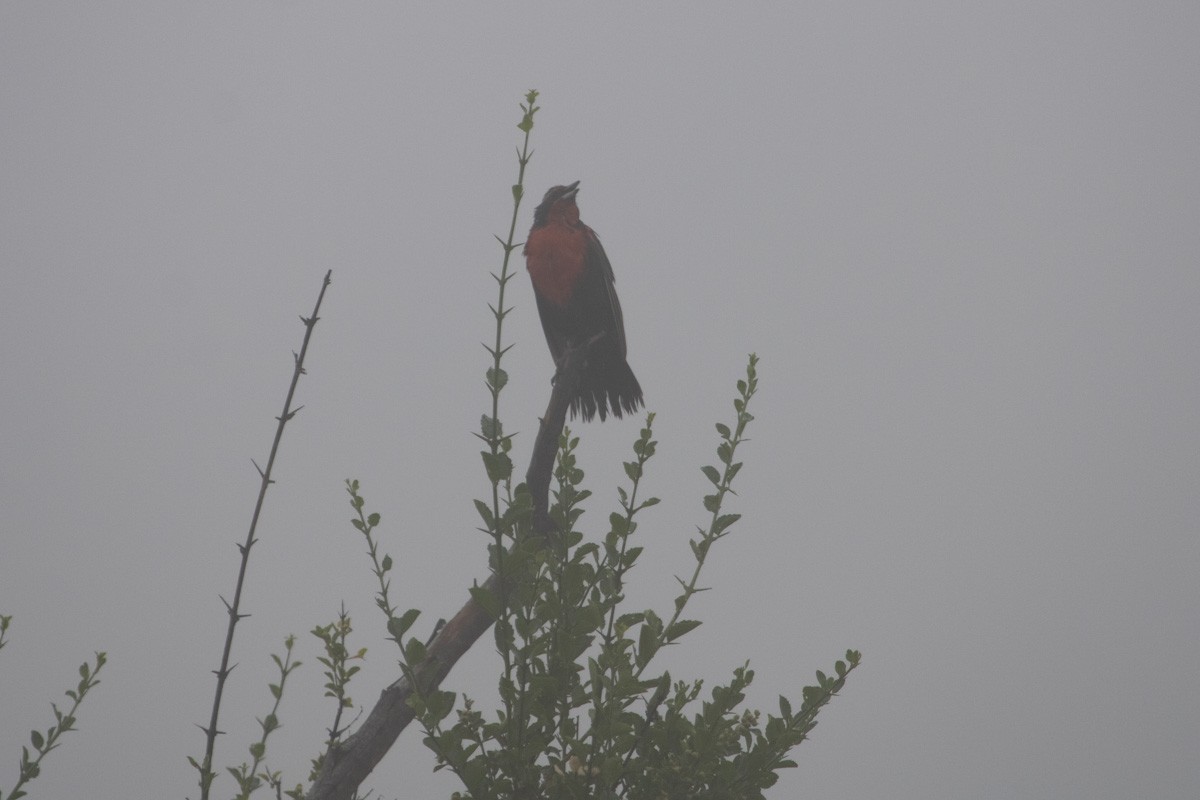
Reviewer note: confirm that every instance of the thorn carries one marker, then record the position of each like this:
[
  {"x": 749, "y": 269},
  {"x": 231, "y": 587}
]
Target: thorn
[{"x": 257, "y": 467}]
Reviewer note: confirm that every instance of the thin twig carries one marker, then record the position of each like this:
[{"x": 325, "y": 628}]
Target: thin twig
[{"x": 234, "y": 608}]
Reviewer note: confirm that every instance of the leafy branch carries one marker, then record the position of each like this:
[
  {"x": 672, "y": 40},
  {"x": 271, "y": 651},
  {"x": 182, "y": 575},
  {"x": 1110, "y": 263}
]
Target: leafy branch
[{"x": 43, "y": 743}]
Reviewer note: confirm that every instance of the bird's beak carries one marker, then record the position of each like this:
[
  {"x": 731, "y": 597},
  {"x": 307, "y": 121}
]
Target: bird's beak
[{"x": 572, "y": 190}]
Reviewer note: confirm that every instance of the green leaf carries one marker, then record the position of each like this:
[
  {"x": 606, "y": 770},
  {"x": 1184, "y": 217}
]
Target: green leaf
[
  {"x": 36, "y": 738},
  {"x": 724, "y": 521},
  {"x": 496, "y": 378},
  {"x": 414, "y": 651},
  {"x": 595, "y": 677},
  {"x": 440, "y": 705},
  {"x": 485, "y": 511},
  {"x": 498, "y": 465},
  {"x": 648, "y": 638},
  {"x": 486, "y": 599},
  {"x": 398, "y": 626},
  {"x": 712, "y": 474},
  {"x": 647, "y": 646},
  {"x": 627, "y": 621},
  {"x": 723, "y": 430},
  {"x": 489, "y": 427},
  {"x": 680, "y": 628}
]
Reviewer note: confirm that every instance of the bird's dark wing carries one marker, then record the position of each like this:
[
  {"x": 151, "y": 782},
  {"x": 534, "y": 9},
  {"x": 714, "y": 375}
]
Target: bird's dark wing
[
  {"x": 601, "y": 276},
  {"x": 552, "y": 325}
]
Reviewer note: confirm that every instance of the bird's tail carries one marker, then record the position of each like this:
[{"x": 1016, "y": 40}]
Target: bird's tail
[{"x": 606, "y": 385}]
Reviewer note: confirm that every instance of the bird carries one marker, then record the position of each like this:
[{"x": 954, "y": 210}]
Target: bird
[{"x": 577, "y": 301}]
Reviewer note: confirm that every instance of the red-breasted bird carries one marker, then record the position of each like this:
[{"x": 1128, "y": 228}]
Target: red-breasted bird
[{"x": 576, "y": 299}]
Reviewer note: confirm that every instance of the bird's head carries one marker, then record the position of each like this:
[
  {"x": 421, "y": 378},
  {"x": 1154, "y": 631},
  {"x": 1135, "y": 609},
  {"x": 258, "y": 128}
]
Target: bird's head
[{"x": 558, "y": 200}]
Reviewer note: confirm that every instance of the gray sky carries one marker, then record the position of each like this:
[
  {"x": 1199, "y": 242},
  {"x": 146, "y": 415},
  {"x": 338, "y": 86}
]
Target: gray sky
[{"x": 962, "y": 237}]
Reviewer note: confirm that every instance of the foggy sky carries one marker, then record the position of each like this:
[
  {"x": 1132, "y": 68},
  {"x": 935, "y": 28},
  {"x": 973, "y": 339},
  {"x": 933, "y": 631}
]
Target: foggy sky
[{"x": 962, "y": 238}]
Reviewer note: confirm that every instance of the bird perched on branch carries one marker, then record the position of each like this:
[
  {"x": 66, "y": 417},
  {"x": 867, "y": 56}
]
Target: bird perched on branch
[{"x": 577, "y": 301}]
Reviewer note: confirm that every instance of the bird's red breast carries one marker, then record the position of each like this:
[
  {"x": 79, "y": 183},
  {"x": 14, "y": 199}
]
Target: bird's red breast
[{"x": 554, "y": 255}]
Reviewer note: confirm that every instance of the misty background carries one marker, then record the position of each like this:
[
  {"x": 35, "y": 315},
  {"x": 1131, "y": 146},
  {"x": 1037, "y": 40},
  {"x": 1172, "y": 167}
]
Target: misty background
[{"x": 962, "y": 238}]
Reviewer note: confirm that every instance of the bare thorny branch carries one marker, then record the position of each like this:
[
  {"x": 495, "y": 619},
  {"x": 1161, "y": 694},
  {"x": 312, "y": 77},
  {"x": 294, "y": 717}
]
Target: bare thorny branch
[{"x": 233, "y": 608}]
